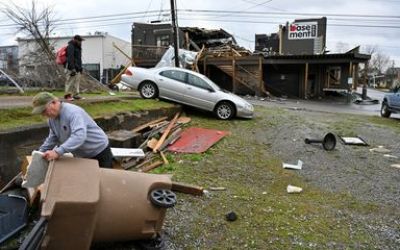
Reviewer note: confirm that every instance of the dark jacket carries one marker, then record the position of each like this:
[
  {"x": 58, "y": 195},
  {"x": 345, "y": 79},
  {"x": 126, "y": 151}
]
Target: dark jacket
[{"x": 74, "y": 56}]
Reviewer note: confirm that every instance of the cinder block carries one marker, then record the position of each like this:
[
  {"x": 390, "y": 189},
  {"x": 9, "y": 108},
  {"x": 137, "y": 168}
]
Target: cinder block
[{"x": 124, "y": 139}]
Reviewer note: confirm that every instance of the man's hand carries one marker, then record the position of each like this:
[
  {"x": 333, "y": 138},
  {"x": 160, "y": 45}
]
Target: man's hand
[{"x": 50, "y": 155}]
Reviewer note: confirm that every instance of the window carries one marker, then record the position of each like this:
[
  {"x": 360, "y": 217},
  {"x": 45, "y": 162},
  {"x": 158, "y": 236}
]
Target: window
[
  {"x": 162, "y": 40},
  {"x": 197, "y": 81},
  {"x": 175, "y": 75},
  {"x": 334, "y": 76}
]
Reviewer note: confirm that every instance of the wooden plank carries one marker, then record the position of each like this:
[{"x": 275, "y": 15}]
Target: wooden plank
[
  {"x": 141, "y": 127},
  {"x": 166, "y": 132},
  {"x": 186, "y": 188},
  {"x": 183, "y": 120},
  {"x": 122, "y": 52},
  {"x": 151, "y": 166},
  {"x": 164, "y": 158},
  {"x": 117, "y": 78},
  {"x": 152, "y": 143}
]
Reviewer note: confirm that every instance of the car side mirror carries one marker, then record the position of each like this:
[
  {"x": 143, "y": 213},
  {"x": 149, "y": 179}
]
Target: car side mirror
[{"x": 211, "y": 90}]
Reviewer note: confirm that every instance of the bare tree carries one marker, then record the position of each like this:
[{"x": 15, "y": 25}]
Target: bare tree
[
  {"x": 37, "y": 24},
  {"x": 380, "y": 61}
]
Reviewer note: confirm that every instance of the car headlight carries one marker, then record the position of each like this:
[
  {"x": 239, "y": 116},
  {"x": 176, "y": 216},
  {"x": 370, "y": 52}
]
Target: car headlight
[{"x": 249, "y": 106}]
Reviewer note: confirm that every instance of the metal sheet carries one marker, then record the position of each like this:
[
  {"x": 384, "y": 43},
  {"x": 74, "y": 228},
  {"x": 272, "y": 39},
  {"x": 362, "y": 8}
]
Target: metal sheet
[{"x": 197, "y": 140}]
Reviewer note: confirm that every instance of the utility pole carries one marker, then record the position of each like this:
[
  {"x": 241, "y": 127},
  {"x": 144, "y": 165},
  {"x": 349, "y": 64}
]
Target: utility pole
[{"x": 175, "y": 33}]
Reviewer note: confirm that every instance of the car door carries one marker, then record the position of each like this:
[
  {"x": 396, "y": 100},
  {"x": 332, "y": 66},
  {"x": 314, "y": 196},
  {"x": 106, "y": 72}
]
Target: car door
[
  {"x": 199, "y": 93},
  {"x": 172, "y": 84},
  {"x": 395, "y": 99}
]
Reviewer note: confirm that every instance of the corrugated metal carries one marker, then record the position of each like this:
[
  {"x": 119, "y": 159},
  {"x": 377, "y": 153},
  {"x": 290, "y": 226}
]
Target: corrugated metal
[{"x": 197, "y": 140}]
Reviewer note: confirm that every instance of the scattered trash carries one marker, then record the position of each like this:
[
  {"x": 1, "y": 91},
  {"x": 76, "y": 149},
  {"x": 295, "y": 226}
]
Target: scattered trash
[
  {"x": 127, "y": 152},
  {"x": 390, "y": 156},
  {"x": 395, "y": 166},
  {"x": 380, "y": 149},
  {"x": 217, "y": 188},
  {"x": 328, "y": 143},
  {"x": 291, "y": 166},
  {"x": 293, "y": 189},
  {"x": 358, "y": 141},
  {"x": 231, "y": 216}
]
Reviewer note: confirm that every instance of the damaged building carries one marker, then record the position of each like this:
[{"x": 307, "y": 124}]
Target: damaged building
[
  {"x": 151, "y": 40},
  {"x": 292, "y": 62}
]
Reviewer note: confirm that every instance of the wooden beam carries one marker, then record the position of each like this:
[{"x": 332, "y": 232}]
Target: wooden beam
[
  {"x": 260, "y": 75},
  {"x": 164, "y": 158},
  {"x": 166, "y": 132},
  {"x": 233, "y": 75},
  {"x": 120, "y": 50},
  {"x": 186, "y": 188},
  {"x": 351, "y": 75},
  {"x": 117, "y": 78},
  {"x": 151, "y": 166},
  {"x": 141, "y": 127},
  {"x": 305, "y": 81}
]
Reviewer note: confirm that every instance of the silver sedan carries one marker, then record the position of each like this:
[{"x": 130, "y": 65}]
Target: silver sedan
[{"x": 188, "y": 88}]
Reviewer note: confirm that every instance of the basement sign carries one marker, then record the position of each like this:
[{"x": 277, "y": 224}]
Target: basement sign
[{"x": 303, "y": 30}]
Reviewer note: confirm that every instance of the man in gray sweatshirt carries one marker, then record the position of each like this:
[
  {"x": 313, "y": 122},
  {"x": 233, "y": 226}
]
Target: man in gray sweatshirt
[{"x": 71, "y": 130}]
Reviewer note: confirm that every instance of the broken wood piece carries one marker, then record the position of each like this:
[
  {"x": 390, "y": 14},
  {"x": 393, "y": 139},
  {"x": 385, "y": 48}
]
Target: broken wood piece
[
  {"x": 165, "y": 134},
  {"x": 117, "y": 78},
  {"x": 186, "y": 188},
  {"x": 183, "y": 120},
  {"x": 152, "y": 143},
  {"x": 141, "y": 127},
  {"x": 217, "y": 188},
  {"x": 151, "y": 166},
  {"x": 158, "y": 124},
  {"x": 164, "y": 158},
  {"x": 11, "y": 183},
  {"x": 135, "y": 165},
  {"x": 172, "y": 138}
]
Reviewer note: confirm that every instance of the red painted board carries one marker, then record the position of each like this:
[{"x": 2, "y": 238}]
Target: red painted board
[{"x": 197, "y": 140}]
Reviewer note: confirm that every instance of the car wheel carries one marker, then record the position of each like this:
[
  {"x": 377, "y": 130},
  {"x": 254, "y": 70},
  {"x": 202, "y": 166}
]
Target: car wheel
[
  {"x": 163, "y": 198},
  {"x": 385, "y": 110},
  {"x": 224, "y": 110},
  {"x": 148, "y": 90}
]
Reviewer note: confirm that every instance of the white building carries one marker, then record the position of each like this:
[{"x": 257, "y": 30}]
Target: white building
[{"x": 98, "y": 52}]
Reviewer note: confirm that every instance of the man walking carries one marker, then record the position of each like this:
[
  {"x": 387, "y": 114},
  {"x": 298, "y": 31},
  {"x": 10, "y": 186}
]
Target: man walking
[
  {"x": 71, "y": 130},
  {"x": 73, "y": 68}
]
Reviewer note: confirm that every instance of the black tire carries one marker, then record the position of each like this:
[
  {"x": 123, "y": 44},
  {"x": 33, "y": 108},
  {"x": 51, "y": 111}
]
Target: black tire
[
  {"x": 148, "y": 90},
  {"x": 385, "y": 110},
  {"x": 163, "y": 198},
  {"x": 224, "y": 110}
]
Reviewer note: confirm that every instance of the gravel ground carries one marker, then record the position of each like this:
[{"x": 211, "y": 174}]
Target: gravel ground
[{"x": 354, "y": 170}]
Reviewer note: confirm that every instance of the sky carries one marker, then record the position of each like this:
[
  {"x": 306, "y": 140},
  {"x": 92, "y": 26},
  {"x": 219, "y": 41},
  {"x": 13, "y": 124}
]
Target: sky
[{"x": 368, "y": 23}]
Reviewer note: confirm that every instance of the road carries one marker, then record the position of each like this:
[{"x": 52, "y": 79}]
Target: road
[{"x": 330, "y": 106}]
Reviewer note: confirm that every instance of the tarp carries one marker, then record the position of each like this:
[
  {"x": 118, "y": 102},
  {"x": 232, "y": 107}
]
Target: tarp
[
  {"x": 186, "y": 57},
  {"x": 197, "y": 140}
]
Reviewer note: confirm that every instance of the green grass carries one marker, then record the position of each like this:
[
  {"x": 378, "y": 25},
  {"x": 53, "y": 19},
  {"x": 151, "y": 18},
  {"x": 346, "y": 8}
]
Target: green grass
[
  {"x": 255, "y": 182},
  {"x": 19, "y": 117}
]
